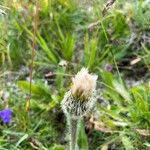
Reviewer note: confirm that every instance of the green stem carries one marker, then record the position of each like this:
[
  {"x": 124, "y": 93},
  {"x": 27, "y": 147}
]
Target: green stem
[{"x": 73, "y": 125}]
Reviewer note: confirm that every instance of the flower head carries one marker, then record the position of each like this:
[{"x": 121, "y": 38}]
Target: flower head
[
  {"x": 5, "y": 115},
  {"x": 83, "y": 84},
  {"x": 81, "y": 98},
  {"x": 108, "y": 67}
]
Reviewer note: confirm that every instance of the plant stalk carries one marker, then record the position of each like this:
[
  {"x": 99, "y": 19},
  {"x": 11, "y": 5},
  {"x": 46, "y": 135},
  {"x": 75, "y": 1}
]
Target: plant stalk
[{"x": 73, "y": 127}]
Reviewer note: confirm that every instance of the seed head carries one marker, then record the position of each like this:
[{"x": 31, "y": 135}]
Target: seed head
[{"x": 83, "y": 84}]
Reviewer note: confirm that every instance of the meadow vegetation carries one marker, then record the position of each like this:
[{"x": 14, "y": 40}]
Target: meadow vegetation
[{"x": 48, "y": 42}]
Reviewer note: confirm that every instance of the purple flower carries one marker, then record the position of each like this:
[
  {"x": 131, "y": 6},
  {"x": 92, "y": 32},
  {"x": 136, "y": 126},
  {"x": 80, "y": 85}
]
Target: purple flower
[
  {"x": 5, "y": 115},
  {"x": 108, "y": 67}
]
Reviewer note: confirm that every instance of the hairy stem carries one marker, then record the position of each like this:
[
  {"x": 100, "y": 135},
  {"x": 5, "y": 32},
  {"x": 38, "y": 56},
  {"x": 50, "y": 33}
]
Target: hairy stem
[{"x": 73, "y": 125}]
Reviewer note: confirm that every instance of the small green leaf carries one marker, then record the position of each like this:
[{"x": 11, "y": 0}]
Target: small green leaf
[
  {"x": 22, "y": 139},
  {"x": 93, "y": 48},
  {"x": 127, "y": 143},
  {"x": 121, "y": 90},
  {"x": 42, "y": 43},
  {"x": 90, "y": 49},
  {"x": 44, "y": 6},
  {"x": 147, "y": 144},
  {"x": 38, "y": 90},
  {"x": 46, "y": 49},
  {"x": 68, "y": 46}
]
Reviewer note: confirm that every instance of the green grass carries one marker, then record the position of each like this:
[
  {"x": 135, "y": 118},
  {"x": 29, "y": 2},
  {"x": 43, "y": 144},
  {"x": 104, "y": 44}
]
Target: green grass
[{"x": 67, "y": 31}]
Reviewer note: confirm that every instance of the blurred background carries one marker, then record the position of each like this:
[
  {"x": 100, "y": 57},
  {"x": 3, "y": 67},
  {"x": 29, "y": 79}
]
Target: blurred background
[{"x": 48, "y": 42}]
